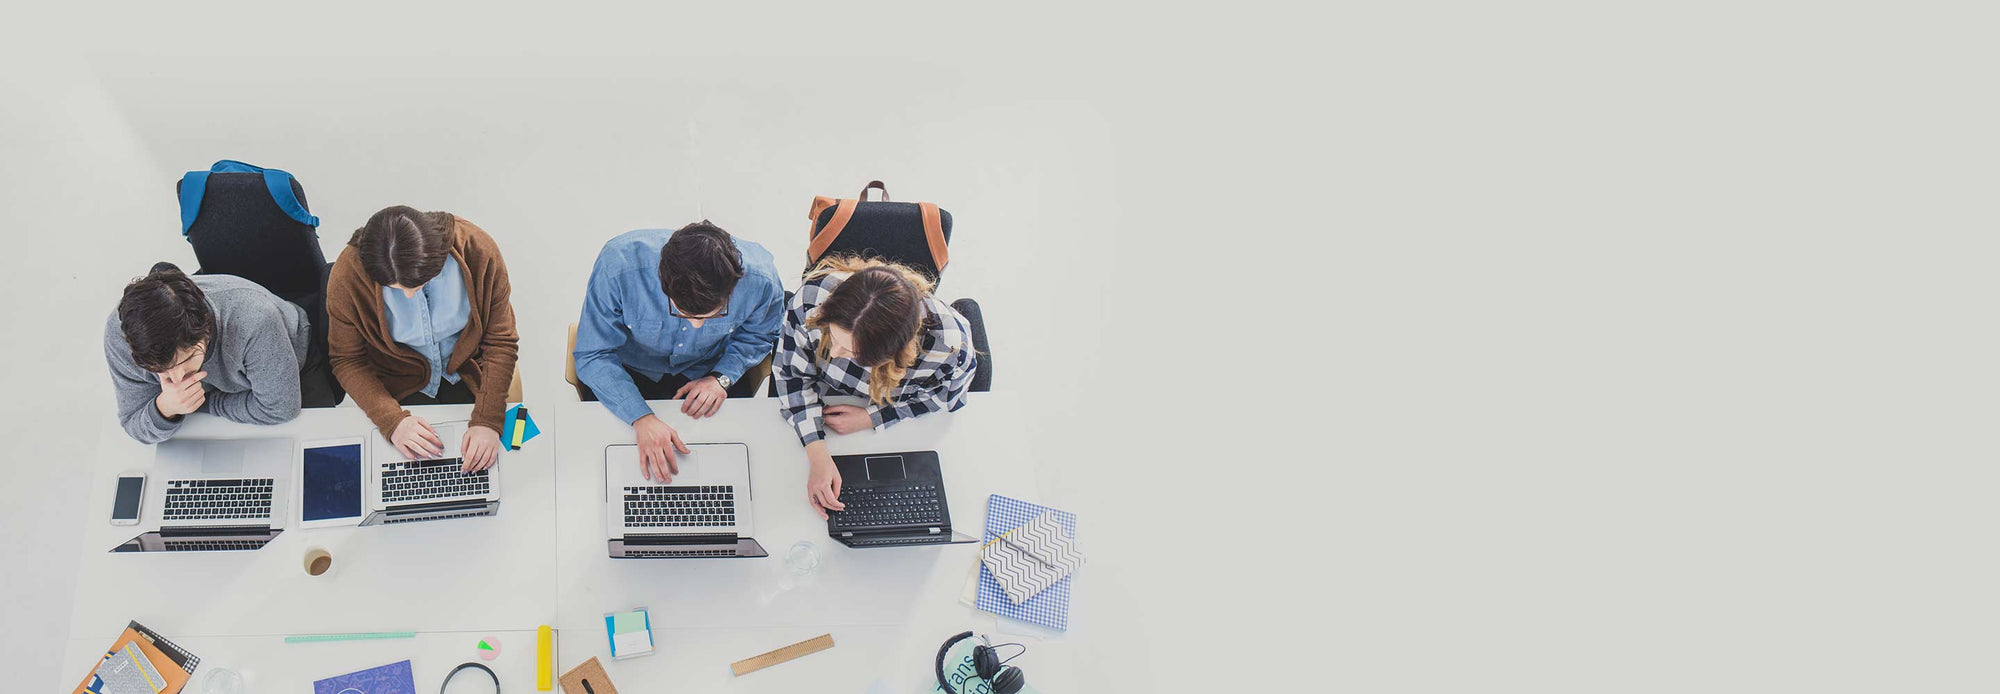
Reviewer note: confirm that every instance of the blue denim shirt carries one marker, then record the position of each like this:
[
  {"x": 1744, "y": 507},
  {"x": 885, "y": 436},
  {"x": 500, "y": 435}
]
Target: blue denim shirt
[
  {"x": 431, "y": 321},
  {"x": 626, "y": 322}
]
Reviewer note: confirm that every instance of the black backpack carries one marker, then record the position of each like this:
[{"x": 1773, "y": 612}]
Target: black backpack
[{"x": 914, "y": 234}]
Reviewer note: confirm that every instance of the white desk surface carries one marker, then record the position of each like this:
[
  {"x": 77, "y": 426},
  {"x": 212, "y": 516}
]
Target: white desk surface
[
  {"x": 459, "y": 575},
  {"x": 268, "y": 664},
  {"x": 888, "y": 609}
]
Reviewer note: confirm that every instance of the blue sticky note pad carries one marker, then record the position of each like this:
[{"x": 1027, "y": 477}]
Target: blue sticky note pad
[
  {"x": 630, "y": 633},
  {"x": 393, "y": 678},
  {"x": 517, "y": 418}
]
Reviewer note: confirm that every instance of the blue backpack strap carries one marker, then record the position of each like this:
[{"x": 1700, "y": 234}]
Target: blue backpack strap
[
  {"x": 278, "y": 183},
  {"x": 192, "y": 186}
]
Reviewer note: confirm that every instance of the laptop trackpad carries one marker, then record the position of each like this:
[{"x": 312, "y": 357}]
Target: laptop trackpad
[
  {"x": 222, "y": 458},
  {"x": 885, "y": 468}
]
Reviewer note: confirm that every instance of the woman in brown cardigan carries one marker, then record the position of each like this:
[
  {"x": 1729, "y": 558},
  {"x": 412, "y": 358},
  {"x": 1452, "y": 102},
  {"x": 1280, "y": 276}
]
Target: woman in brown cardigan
[{"x": 418, "y": 313}]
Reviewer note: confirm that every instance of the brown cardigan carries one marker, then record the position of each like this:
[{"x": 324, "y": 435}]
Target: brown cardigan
[{"x": 377, "y": 371}]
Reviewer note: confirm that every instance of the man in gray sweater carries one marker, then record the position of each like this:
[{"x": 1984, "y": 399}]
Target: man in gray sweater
[{"x": 214, "y": 343}]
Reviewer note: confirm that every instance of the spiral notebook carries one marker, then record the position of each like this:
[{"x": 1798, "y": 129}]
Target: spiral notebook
[{"x": 1049, "y": 608}]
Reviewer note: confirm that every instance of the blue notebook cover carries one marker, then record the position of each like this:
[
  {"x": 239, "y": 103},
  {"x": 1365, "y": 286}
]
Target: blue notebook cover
[
  {"x": 393, "y": 678},
  {"x": 1049, "y": 608}
]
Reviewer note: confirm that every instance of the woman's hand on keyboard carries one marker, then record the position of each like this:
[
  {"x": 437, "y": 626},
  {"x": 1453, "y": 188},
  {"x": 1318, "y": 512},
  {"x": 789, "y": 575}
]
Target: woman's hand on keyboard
[
  {"x": 481, "y": 448},
  {"x": 823, "y": 482},
  {"x": 415, "y": 438}
]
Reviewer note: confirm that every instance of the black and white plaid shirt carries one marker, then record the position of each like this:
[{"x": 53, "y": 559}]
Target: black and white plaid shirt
[{"x": 938, "y": 381}]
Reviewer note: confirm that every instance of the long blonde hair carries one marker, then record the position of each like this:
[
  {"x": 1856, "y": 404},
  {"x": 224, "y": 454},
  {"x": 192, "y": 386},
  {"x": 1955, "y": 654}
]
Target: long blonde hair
[{"x": 882, "y": 305}]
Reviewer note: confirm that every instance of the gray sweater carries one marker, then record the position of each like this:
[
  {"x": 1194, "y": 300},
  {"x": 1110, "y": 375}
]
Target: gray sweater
[{"x": 253, "y": 361}]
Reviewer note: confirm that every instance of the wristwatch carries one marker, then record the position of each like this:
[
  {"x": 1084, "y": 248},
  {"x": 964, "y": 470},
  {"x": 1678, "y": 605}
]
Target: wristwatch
[{"x": 724, "y": 381}]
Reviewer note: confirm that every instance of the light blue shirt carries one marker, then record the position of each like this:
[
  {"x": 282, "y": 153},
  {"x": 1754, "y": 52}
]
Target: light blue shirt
[
  {"x": 431, "y": 321},
  {"x": 626, "y": 322}
]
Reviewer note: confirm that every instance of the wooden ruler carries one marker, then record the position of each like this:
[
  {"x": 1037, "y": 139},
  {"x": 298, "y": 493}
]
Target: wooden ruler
[{"x": 802, "y": 648}]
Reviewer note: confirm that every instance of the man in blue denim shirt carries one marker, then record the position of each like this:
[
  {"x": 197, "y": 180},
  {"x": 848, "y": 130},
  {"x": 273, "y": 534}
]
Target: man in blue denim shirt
[{"x": 675, "y": 315}]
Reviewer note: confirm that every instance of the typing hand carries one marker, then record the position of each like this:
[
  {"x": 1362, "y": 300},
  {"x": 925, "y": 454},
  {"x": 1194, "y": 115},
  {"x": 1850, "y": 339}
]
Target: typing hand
[
  {"x": 180, "y": 396},
  {"x": 481, "y": 448},
  {"x": 703, "y": 396},
  {"x": 415, "y": 438},
  {"x": 823, "y": 482},
  {"x": 657, "y": 443},
  {"x": 845, "y": 419}
]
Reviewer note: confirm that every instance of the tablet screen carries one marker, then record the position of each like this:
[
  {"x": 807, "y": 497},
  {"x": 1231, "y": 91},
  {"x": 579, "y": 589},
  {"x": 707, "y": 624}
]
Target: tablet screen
[{"x": 332, "y": 487}]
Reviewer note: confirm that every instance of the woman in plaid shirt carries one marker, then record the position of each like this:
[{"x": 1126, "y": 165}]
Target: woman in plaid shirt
[{"x": 866, "y": 345}]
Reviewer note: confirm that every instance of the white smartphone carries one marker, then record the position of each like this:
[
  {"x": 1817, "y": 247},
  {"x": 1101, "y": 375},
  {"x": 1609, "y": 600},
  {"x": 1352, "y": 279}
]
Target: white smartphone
[{"x": 131, "y": 495}]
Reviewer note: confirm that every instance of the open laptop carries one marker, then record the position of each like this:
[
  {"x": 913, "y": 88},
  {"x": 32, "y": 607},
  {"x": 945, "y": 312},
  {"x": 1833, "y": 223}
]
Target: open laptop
[
  {"x": 893, "y": 500},
  {"x": 703, "y": 513},
  {"x": 401, "y": 490},
  {"x": 216, "y": 495}
]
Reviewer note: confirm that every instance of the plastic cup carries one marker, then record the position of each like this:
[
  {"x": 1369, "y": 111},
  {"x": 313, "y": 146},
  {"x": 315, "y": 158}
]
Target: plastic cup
[{"x": 221, "y": 681}]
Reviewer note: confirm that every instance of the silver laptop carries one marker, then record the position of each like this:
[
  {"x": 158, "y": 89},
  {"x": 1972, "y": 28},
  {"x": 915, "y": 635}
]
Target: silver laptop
[
  {"x": 703, "y": 513},
  {"x": 216, "y": 495},
  {"x": 402, "y": 490}
]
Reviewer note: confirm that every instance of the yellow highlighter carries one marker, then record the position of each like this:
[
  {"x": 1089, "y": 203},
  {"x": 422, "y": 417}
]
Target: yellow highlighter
[
  {"x": 545, "y": 666},
  {"x": 520, "y": 424}
]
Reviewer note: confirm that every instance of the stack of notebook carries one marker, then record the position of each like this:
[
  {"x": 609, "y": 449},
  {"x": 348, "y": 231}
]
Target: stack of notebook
[
  {"x": 140, "y": 662},
  {"x": 1049, "y": 606}
]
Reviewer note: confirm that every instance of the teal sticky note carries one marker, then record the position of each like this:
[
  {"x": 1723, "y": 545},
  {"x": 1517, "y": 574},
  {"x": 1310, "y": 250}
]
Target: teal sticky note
[{"x": 627, "y": 622}]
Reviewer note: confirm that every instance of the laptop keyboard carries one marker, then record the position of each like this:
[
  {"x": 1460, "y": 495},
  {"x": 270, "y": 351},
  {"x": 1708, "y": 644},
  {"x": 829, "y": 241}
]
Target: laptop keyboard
[
  {"x": 239, "y": 499},
  {"x": 424, "y": 480},
  {"x": 895, "y": 504},
  {"x": 677, "y": 553},
  {"x": 649, "y": 506},
  {"x": 211, "y": 545}
]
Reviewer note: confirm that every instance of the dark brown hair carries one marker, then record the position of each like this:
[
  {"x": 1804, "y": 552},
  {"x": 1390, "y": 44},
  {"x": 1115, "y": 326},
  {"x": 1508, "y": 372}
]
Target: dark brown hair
[
  {"x": 699, "y": 268},
  {"x": 882, "y": 305},
  {"x": 403, "y": 246},
  {"x": 162, "y": 314}
]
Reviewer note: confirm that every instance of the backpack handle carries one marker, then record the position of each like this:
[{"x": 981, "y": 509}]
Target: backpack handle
[{"x": 873, "y": 185}]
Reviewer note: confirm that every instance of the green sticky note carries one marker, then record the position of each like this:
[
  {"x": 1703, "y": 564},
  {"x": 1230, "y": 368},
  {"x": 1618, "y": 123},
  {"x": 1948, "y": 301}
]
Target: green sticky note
[{"x": 628, "y": 622}]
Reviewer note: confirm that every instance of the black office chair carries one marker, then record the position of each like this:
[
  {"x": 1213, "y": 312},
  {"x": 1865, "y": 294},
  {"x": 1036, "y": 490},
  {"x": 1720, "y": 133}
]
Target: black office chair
[
  {"x": 241, "y": 231},
  {"x": 982, "y": 377}
]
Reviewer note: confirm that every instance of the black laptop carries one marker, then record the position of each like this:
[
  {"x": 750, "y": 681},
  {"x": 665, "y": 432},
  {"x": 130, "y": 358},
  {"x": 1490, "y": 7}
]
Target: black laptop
[{"x": 893, "y": 500}]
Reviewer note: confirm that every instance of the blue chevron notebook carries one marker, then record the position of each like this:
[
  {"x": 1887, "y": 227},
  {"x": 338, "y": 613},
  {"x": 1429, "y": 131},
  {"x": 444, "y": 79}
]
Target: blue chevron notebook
[{"x": 1049, "y": 608}]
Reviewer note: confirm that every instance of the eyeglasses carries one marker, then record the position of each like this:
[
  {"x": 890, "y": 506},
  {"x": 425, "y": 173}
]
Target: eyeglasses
[{"x": 675, "y": 311}]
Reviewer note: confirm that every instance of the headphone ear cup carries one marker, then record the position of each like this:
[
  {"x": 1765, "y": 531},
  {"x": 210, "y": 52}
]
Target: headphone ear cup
[
  {"x": 985, "y": 661},
  {"x": 1009, "y": 680}
]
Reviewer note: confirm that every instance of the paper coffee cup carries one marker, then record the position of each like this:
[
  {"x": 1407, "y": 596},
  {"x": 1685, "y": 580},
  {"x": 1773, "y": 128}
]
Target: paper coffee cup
[{"x": 318, "y": 562}]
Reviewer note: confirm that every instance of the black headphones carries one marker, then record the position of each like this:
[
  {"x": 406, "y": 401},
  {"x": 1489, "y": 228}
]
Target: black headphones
[
  {"x": 1005, "y": 679},
  {"x": 462, "y": 668}
]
